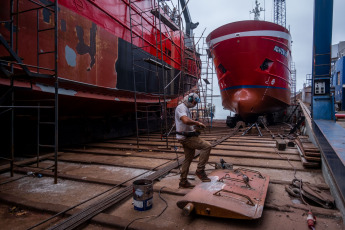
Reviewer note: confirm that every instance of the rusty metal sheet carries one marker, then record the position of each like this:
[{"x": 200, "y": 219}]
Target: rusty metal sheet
[{"x": 238, "y": 194}]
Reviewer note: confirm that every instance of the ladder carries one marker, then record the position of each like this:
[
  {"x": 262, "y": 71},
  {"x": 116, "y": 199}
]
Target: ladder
[
  {"x": 145, "y": 66},
  {"x": 13, "y": 66}
]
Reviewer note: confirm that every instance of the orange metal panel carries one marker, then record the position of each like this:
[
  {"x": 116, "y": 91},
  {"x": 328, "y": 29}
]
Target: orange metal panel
[{"x": 238, "y": 194}]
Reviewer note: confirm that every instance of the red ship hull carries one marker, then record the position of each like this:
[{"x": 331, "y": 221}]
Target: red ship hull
[
  {"x": 115, "y": 59},
  {"x": 252, "y": 60},
  {"x": 94, "y": 51}
]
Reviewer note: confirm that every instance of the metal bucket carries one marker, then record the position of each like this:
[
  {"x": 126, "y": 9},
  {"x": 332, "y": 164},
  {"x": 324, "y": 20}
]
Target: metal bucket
[{"x": 142, "y": 194}]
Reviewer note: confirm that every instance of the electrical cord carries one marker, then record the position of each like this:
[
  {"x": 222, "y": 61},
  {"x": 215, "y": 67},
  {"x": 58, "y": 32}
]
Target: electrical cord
[
  {"x": 300, "y": 180},
  {"x": 155, "y": 216},
  {"x": 294, "y": 169}
]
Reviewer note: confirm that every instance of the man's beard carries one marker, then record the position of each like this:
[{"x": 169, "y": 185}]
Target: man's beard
[{"x": 189, "y": 104}]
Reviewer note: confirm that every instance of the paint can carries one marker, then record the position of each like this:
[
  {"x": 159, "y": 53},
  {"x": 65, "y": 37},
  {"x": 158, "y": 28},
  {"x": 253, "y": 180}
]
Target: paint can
[{"x": 142, "y": 194}]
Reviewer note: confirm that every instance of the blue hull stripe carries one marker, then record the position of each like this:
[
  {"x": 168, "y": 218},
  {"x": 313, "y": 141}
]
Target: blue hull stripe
[{"x": 253, "y": 87}]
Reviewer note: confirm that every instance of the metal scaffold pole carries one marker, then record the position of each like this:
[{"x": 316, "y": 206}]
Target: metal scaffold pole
[
  {"x": 164, "y": 78},
  {"x": 56, "y": 141},
  {"x": 133, "y": 72},
  {"x": 18, "y": 105},
  {"x": 12, "y": 94}
]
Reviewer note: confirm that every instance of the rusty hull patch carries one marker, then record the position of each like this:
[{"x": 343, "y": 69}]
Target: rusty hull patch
[{"x": 82, "y": 48}]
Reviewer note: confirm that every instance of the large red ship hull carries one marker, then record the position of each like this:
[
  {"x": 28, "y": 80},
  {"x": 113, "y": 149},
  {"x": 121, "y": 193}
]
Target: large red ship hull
[
  {"x": 95, "y": 51},
  {"x": 252, "y": 60},
  {"x": 115, "y": 59}
]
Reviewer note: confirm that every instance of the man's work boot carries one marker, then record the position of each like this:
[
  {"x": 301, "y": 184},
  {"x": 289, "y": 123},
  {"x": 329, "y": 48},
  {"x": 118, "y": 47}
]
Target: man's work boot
[
  {"x": 185, "y": 184},
  {"x": 202, "y": 176}
]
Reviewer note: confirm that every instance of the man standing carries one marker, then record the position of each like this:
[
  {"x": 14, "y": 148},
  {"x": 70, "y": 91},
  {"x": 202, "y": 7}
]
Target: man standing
[{"x": 188, "y": 137}]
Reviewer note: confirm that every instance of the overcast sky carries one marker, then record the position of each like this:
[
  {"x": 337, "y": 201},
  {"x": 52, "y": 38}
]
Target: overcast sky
[{"x": 299, "y": 16}]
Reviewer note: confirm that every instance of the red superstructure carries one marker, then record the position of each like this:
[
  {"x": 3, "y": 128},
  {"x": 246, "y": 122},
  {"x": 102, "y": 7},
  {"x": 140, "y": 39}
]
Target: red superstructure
[{"x": 252, "y": 60}]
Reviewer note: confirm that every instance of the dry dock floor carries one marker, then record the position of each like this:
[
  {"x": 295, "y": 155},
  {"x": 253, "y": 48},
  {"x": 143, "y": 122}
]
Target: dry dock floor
[{"x": 91, "y": 169}]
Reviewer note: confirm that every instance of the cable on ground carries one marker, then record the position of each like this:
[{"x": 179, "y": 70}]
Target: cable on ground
[{"x": 155, "y": 216}]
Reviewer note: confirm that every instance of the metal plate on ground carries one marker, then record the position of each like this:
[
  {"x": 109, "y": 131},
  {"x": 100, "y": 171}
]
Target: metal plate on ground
[{"x": 238, "y": 194}]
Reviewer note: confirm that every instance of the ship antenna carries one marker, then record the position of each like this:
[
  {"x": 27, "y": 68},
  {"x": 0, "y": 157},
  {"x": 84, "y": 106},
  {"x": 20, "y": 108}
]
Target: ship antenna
[{"x": 256, "y": 11}]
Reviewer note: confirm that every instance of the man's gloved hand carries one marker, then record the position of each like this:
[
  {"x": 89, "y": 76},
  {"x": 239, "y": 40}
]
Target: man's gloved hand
[{"x": 201, "y": 125}]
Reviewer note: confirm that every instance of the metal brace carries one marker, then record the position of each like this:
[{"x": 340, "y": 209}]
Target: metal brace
[{"x": 249, "y": 201}]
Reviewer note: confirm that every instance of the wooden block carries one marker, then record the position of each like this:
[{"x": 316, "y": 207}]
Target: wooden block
[
  {"x": 312, "y": 154},
  {"x": 281, "y": 145},
  {"x": 304, "y": 140},
  {"x": 291, "y": 144},
  {"x": 314, "y": 159},
  {"x": 312, "y": 150},
  {"x": 308, "y": 145},
  {"x": 309, "y": 164},
  {"x": 306, "y": 163}
]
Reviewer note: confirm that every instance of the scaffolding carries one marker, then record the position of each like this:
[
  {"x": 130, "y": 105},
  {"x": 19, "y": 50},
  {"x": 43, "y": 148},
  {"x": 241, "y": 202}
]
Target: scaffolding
[
  {"x": 145, "y": 68},
  {"x": 165, "y": 20},
  {"x": 206, "y": 109},
  {"x": 139, "y": 70},
  {"x": 293, "y": 83},
  {"x": 280, "y": 12},
  {"x": 13, "y": 67},
  {"x": 208, "y": 74}
]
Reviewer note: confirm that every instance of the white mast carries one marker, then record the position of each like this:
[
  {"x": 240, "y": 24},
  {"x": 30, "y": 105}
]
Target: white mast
[{"x": 256, "y": 11}]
